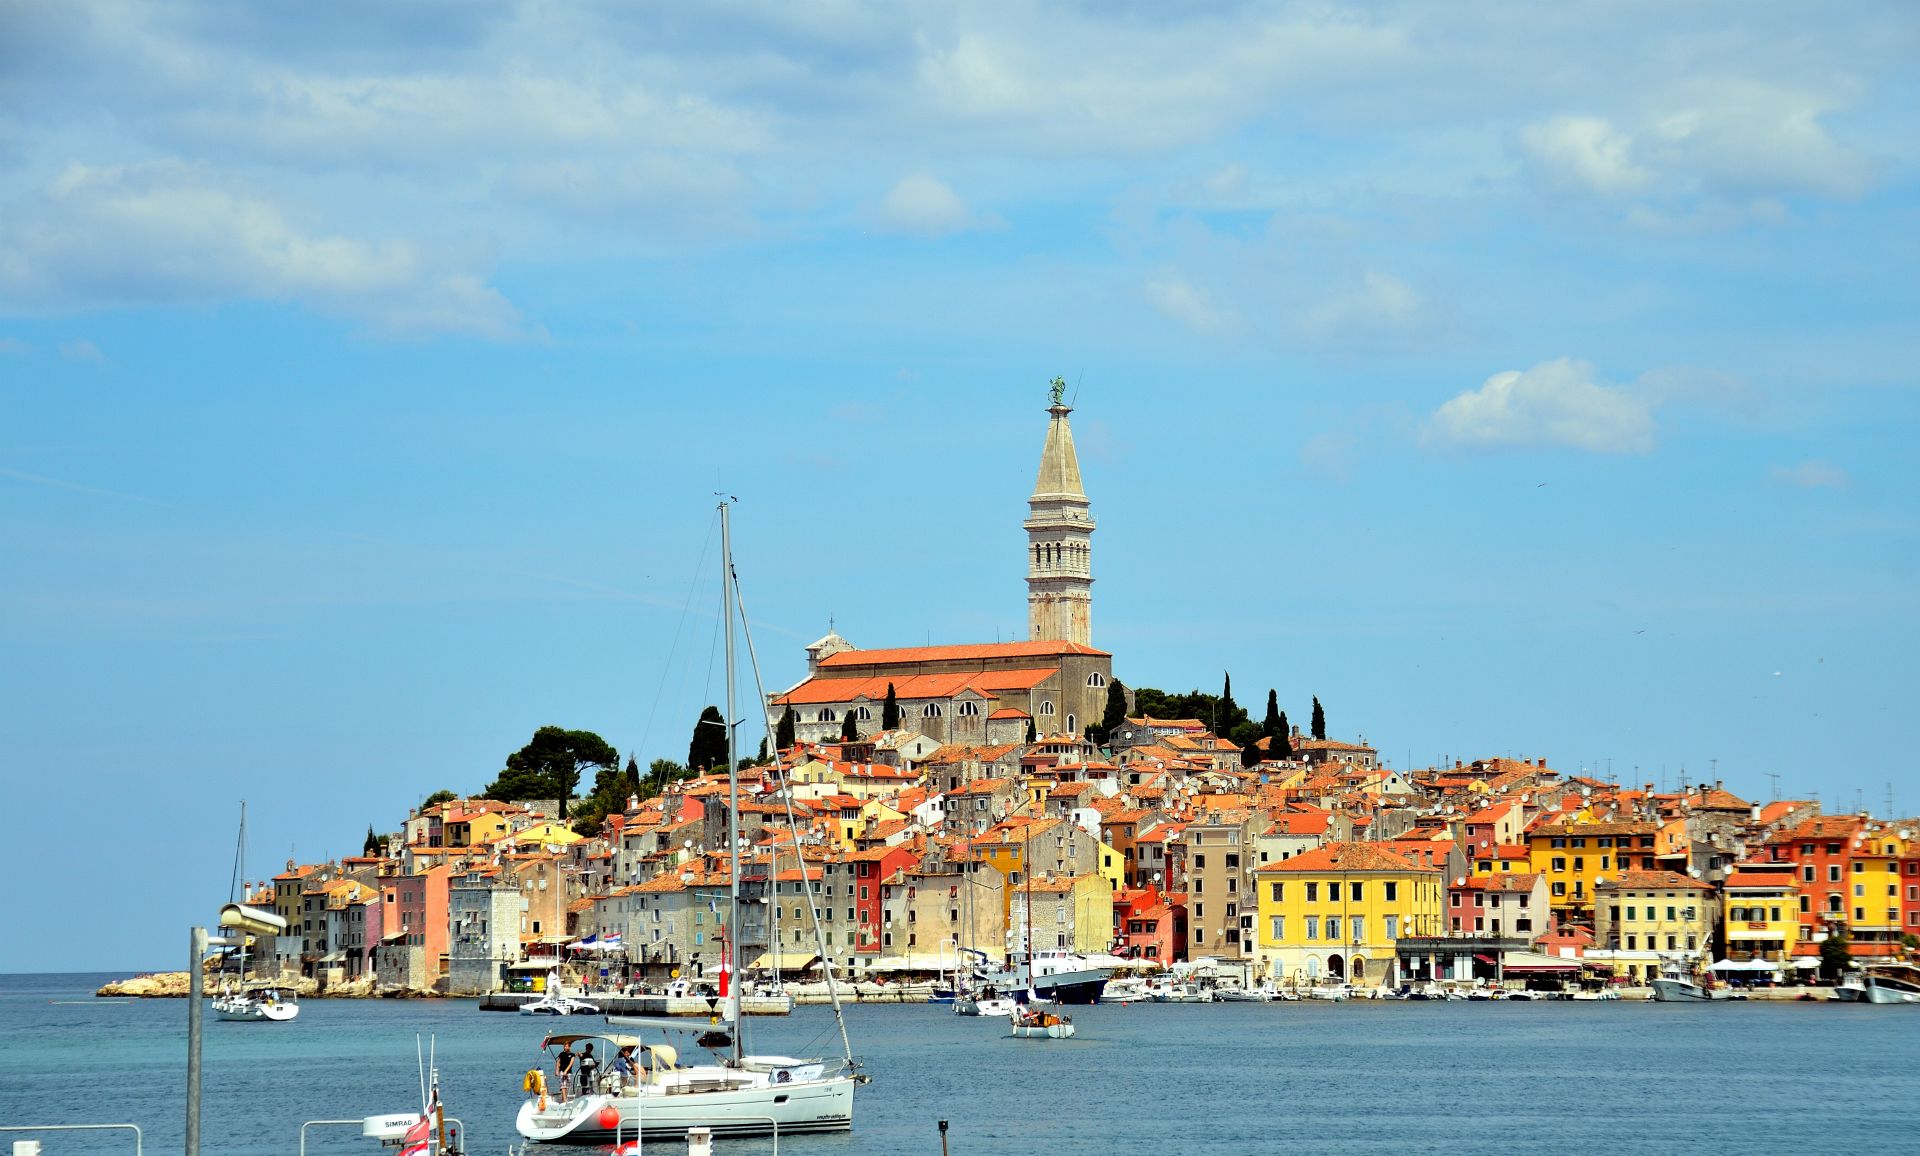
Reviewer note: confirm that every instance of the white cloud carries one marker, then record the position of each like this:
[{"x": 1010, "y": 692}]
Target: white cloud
[
  {"x": 168, "y": 232},
  {"x": 82, "y": 350},
  {"x": 926, "y": 207},
  {"x": 1179, "y": 300},
  {"x": 1555, "y": 403},
  {"x": 1380, "y": 301},
  {"x": 1586, "y": 152},
  {"x": 1812, "y": 474}
]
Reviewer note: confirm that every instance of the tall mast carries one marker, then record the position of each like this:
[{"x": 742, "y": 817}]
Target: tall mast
[{"x": 733, "y": 787}]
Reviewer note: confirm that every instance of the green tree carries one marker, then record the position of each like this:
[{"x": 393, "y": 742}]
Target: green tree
[
  {"x": 708, "y": 747},
  {"x": 783, "y": 730},
  {"x": 612, "y": 787},
  {"x": 890, "y": 711},
  {"x": 437, "y": 798},
  {"x": 1250, "y": 753},
  {"x": 1319, "y": 719},
  {"x": 1274, "y": 723},
  {"x": 660, "y": 772},
  {"x": 549, "y": 766},
  {"x": 1113, "y": 716},
  {"x": 1033, "y": 735},
  {"x": 849, "y": 728},
  {"x": 1225, "y": 709},
  {"x": 1835, "y": 957},
  {"x": 373, "y": 847},
  {"x": 1282, "y": 745}
]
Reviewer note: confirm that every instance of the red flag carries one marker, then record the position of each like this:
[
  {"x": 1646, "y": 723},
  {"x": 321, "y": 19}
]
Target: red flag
[{"x": 418, "y": 1138}]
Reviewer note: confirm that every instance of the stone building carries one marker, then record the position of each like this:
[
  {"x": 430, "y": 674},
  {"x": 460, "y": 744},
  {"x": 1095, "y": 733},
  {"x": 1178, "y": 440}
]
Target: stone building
[
  {"x": 985, "y": 693},
  {"x": 483, "y": 930}
]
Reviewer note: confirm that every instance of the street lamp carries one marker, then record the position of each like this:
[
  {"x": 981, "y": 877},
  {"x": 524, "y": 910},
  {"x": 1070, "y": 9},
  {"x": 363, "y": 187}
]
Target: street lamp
[{"x": 246, "y": 920}]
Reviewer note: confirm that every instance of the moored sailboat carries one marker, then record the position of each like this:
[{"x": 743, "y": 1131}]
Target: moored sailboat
[
  {"x": 240, "y": 1001},
  {"x": 652, "y": 1095}
]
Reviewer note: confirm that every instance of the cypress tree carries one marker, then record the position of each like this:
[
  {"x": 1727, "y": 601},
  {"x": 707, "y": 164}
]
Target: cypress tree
[
  {"x": 783, "y": 731},
  {"x": 849, "y": 727},
  {"x": 1033, "y": 736},
  {"x": 1319, "y": 719},
  {"x": 1282, "y": 745},
  {"x": 1272, "y": 724},
  {"x": 1114, "y": 715},
  {"x": 890, "y": 712},
  {"x": 1225, "y": 709},
  {"x": 371, "y": 847},
  {"x": 1250, "y": 754},
  {"x": 708, "y": 747}
]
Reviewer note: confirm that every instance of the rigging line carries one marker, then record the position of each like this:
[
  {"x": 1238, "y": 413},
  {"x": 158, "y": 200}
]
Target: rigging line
[
  {"x": 674, "y": 648},
  {"x": 806, "y": 885}
]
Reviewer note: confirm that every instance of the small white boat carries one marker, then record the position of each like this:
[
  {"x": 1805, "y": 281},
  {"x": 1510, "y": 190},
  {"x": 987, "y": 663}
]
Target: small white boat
[
  {"x": 255, "y": 1005},
  {"x": 983, "y": 1005},
  {"x": 1041, "y": 1025},
  {"x": 1262, "y": 994},
  {"x": 559, "y": 1005},
  {"x": 1675, "y": 989},
  {"x": 1887, "y": 989},
  {"x": 1335, "y": 992}
]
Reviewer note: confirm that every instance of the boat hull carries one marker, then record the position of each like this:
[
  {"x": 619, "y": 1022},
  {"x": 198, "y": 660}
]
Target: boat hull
[
  {"x": 1060, "y": 1031},
  {"x": 1683, "y": 991},
  {"x": 1882, "y": 991},
  {"x": 802, "y": 1106},
  {"x": 249, "y": 1011},
  {"x": 1075, "y": 987}
]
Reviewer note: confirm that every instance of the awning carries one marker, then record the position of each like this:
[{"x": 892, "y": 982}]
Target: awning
[
  {"x": 1486, "y": 959},
  {"x": 1806, "y": 964},
  {"x": 1746, "y": 965},
  {"x": 787, "y": 961},
  {"x": 534, "y": 965},
  {"x": 1525, "y": 962},
  {"x": 916, "y": 963}
]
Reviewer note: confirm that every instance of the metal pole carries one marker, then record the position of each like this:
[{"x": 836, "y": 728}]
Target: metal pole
[
  {"x": 196, "y": 989},
  {"x": 943, "y": 1138}
]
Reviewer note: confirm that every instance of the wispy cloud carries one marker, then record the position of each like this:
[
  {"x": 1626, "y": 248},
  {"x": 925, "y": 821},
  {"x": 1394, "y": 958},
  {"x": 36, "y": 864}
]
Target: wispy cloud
[
  {"x": 82, "y": 350},
  {"x": 1812, "y": 474},
  {"x": 925, "y": 206},
  {"x": 76, "y": 487},
  {"x": 1180, "y": 300}
]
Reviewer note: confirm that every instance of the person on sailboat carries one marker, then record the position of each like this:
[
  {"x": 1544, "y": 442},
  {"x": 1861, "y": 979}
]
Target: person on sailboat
[
  {"x": 563, "y": 1071},
  {"x": 589, "y": 1069}
]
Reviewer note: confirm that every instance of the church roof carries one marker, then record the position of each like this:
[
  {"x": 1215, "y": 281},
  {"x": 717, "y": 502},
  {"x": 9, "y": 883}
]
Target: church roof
[
  {"x": 1059, "y": 465},
  {"x": 909, "y": 655},
  {"x": 907, "y": 687}
]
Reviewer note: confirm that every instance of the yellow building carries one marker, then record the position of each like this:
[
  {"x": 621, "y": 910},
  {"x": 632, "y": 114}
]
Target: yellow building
[
  {"x": 1339, "y": 911},
  {"x": 1576, "y": 856},
  {"x": 547, "y": 834},
  {"x": 1763, "y": 912},
  {"x": 1644, "y": 920}
]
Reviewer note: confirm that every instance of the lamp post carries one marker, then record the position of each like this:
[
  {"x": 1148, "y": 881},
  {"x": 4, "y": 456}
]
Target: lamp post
[{"x": 254, "y": 920}]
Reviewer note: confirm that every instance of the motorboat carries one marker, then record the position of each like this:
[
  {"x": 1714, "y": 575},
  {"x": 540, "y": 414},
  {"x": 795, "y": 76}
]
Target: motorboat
[
  {"x": 985, "y": 1002},
  {"x": 1033, "y": 1024},
  {"x": 552, "y": 1004},
  {"x": 1884, "y": 988},
  {"x": 254, "y": 1004},
  {"x": 1265, "y": 993},
  {"x": 1678, "y": 989},
  {"x": 1334, "y": 992},
  {"x": 1128, "y": 989},
  {"x": 1055, "y": 976}
]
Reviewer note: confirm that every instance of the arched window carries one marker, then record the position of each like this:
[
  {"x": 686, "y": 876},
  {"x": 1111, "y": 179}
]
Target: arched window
[
  {"x": 827, "y": 715},
  {"x": 967, "y": 707},
  {"x": 931, "y": 710},
  {"x": 1071, "y": 728},
  {"x": 1096, "y": 679},
  {"x": 1046, "y": 708},
  {"x": 865, "y": 715}
]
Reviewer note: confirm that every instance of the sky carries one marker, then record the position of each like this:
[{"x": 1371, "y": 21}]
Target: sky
[{"x": 1518, "y": 379}]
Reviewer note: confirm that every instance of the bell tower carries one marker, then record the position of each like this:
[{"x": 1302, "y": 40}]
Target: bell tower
[{"x": 1059, "y": 537}]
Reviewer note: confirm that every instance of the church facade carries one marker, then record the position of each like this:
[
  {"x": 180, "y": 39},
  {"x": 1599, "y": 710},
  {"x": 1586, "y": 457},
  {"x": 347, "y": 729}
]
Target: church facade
[{"x": 985, "y": 693}]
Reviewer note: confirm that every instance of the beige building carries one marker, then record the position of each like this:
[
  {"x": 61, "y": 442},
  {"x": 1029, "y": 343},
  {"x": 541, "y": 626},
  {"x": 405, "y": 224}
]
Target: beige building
[
  {"x": 1218, "y": 873},
  {"x": 1646, "y": 918}
]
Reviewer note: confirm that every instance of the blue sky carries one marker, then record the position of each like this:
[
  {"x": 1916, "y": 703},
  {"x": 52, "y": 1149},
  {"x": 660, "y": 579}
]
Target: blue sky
[{"x": 1517, "y": 379}]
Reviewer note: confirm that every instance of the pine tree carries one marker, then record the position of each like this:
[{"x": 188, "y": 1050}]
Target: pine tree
[
  {"x": 783, "y": 731},
  {"x": 1113, "y": 716},
  {"x": 708, "y": 747},
  {"x": 1319, "y": 720},
  {"x": 849, "y": 728},
  {"x": 890, "y": 712}
]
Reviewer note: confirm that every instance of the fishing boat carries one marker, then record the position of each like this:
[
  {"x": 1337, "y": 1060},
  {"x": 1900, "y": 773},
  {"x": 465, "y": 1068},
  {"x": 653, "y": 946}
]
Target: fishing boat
[
  {"x": 649, "y": 1094},
  {"x": 1674, "y": 987},
  {"x": 240, "y": 1001},
  {"x": 1035, "y": 1024}
]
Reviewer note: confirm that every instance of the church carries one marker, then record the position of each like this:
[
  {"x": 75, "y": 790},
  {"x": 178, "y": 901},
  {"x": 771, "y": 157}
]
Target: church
[{"x": 988, "y": 692}]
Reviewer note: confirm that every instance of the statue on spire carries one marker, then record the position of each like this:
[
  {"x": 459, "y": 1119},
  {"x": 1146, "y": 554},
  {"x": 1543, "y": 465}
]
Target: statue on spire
[{"x": 1058, "y": 387}]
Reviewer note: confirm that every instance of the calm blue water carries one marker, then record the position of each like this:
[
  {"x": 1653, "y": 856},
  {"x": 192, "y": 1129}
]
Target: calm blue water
[{"x": 1187, "y": 1079}]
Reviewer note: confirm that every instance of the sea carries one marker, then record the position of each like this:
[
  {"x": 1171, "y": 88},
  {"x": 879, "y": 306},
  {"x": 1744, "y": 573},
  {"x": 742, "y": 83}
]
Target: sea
[{"x": 1159, "y": 1079}]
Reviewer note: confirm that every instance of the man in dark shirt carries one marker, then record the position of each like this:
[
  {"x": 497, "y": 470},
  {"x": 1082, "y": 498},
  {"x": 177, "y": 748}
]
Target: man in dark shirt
[
  {"x": 589, "y": 1068},
  {"x": 563, "y": 1070}
]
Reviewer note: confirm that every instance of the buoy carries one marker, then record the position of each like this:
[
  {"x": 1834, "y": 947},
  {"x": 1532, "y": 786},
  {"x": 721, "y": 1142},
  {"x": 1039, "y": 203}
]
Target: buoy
[{"x": 609, "y": 1117}]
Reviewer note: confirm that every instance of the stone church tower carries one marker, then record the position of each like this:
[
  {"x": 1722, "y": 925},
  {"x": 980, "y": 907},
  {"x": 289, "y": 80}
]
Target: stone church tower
[{"x": 1059, "y": 533}]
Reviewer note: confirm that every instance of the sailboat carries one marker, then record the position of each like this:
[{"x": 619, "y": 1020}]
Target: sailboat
[
  {"x": 734, "y": 1094},
  {"x": 1030, "y": 1020},
  {"x": 238, "y": 1001}
]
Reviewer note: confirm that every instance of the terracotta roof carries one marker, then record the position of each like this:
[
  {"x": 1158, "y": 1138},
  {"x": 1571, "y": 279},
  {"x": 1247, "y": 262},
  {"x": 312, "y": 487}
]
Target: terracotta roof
[
  {"x": 1347, "y": 857},
  {"x": 1300, "y": 824},
  {"x": 980, "y": 650},
  {"x": 1009, "y": 712},
  {"x": 826, "y": 689},
  {"x": 1658, "y": 880}
]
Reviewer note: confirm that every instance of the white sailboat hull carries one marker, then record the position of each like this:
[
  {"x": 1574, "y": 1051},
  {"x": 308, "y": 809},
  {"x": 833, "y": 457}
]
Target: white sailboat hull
[
  {"x": 1686, "y": 991},
  {"x": 964, "y": 1006},
  {"x": 1882, "y": 990},
  {"x": 824, "y": 1105},
  {"x": 254, "y": 1011}
]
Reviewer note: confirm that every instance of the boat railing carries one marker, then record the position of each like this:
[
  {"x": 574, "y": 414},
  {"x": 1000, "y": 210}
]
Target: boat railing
[
  {"x": 460, "y": 1130},
  {"x": 138, "y": 1139}
]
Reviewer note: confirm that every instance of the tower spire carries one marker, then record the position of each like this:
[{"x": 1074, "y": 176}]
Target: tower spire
[{"x": 1059, "y": 529}]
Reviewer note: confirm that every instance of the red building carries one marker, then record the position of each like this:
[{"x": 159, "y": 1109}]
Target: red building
[{"x": 871, "y": 868}]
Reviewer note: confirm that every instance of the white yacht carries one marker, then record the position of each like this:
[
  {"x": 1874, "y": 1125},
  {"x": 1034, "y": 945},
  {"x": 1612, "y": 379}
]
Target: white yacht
[{"x": 256, "y": 1003}]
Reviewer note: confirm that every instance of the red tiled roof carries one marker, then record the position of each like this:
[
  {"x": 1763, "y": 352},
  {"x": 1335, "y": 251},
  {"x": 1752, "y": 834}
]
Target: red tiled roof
[
  {"x": 908, "y": 655},
  {"x": 825, "y": 688},
  {"x": 1346, "y": 857}
]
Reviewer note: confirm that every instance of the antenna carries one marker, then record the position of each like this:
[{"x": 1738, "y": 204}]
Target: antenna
[
  {"x": 1774, "y": 777},
  {"x": 1082, "y": 372}
]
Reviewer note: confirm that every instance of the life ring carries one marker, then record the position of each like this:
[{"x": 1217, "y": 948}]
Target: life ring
[{"x": 536, "y": 1084}]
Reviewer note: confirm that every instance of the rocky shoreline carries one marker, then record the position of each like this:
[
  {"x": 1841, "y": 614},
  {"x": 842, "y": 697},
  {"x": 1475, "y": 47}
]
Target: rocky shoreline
[{"x": 175, "y": 985}]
